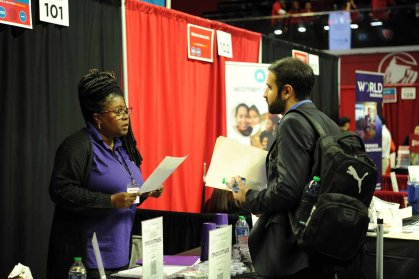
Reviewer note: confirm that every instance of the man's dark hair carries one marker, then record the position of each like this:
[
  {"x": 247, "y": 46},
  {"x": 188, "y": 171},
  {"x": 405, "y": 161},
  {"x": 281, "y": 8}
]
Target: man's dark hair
[
  {"x": 295, "y": 73},
  {"x": 95, "y": 91},
  {"x": 343, "y": 120}
]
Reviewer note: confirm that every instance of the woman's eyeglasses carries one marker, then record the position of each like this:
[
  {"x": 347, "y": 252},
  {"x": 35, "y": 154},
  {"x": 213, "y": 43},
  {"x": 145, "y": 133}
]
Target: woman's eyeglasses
[{"x": 120, "y": 112}]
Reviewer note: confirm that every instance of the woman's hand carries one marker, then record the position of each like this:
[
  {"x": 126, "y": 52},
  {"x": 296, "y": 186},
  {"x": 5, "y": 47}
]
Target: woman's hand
[
  {"x": 154, "y": 194},
  {"x": 123, "y": 200}
]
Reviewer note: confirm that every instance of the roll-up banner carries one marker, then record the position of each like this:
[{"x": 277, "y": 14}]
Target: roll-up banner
[
  {"x": 369, "y": 99},
  {"x": 248, "y": 119}
]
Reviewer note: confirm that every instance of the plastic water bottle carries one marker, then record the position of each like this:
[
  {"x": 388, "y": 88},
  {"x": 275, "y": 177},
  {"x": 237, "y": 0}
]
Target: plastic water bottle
[
  {"x": 77, "y": 270},
  {"x": 232, "y": 184},
  {"x": 309, "y": 198},
  {"x": 242, "y": 238}
]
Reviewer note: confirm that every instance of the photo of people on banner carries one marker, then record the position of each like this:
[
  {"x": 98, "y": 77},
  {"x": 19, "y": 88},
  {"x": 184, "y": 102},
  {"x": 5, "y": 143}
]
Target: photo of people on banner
[
  {"x": 367, "y": 120},
  {"x": 247, "y": 117},
  {"x": 251, "y": 127}
]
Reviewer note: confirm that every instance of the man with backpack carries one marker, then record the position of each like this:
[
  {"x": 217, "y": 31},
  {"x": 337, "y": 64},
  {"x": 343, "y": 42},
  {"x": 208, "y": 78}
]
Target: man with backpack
[{"x": 274, "y": 240}]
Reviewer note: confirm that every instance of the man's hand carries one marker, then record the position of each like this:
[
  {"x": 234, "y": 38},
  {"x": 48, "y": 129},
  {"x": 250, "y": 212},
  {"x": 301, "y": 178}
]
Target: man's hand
[{"x": 241, "y": 195}]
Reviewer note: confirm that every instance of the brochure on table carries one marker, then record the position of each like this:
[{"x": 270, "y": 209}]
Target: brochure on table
[
  {"x": 152, "y": 232},
  {"x": 98, "y": 256},
  {"x": 387, "y": 211},
  {"x": 413, "y": 173},
  {"x": 219, "y": 255}
]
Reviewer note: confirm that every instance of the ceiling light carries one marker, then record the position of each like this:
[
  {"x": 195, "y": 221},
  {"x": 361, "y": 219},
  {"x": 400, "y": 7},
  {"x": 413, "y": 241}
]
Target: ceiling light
[
  {"x": 354, "y": 26},
  {"x": 301, "y": 29},
  {"x": 376, "y": 23},
  {"x": 326, "y": 28},
  {"x": 278, "y": 32}
]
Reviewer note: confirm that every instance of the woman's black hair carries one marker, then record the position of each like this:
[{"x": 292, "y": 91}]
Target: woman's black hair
[
  {"x": 253, "y": 107},
  {"x": 95, "y": 91},
  {"x": 239, "y": 106}
]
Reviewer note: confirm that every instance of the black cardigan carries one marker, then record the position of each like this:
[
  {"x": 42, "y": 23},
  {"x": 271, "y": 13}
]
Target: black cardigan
[{"x": 74, "y": 203}]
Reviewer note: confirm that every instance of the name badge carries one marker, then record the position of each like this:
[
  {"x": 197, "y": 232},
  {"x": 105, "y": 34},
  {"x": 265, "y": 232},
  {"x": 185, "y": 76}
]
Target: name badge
[{"x": 134, "y": 188}]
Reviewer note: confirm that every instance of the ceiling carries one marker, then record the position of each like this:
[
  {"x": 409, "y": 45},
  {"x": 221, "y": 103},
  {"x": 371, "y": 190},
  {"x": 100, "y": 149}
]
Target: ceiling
[{"x": 400, "y": 29}]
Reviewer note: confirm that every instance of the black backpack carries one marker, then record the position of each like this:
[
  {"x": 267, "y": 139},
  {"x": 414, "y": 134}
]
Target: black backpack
[{"x": 338, "y": 223}]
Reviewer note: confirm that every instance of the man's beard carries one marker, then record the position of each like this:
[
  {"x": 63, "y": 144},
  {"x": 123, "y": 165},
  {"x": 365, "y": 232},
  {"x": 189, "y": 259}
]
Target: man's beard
[{"x": 277, "y": 106}]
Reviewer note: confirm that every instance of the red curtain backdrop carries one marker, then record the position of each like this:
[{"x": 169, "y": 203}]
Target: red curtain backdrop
[
  {"x": 179, "y": 103},
  {"x": 347, "y": 104},
  {"x": 402, "y": 117}
]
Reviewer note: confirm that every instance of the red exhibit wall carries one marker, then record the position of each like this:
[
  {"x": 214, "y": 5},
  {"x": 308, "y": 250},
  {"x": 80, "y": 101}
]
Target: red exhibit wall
[
  {"x": 179, "y": 103},
  {"x": 401, "y": 69}
]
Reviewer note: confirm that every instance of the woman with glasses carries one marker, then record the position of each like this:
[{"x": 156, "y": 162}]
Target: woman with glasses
[{"x": 92, "y": 170}]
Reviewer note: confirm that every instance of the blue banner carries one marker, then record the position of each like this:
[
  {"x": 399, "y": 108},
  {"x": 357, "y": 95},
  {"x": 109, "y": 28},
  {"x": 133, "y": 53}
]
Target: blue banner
[{"x": 369, "y": 98}]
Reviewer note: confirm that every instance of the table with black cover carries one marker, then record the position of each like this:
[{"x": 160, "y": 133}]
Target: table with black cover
[
  {"x": 182, "y": 232},
  {"x": 400, "y": 259}
]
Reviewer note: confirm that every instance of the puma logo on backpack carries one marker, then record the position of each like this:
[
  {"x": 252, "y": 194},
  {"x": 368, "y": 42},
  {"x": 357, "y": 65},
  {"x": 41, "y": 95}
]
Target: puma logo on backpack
[
  {"x": 338, "y": 223},
  {"x": 352, "y": 172}
]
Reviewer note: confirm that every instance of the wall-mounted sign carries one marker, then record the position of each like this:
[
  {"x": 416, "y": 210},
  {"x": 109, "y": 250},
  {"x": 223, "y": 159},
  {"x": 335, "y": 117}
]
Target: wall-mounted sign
[
  {"x": 225, "y": 47},
  {"x": 389, "y": 95},
  {"x": 16, "y": 13},
  {"x": 313, "y": 61},
  {"x": 408, "y": 93},
  {"x": 301, "y": 55},
  {"x": 54, "y": 11},
  {"x": 200, "y": 43}
]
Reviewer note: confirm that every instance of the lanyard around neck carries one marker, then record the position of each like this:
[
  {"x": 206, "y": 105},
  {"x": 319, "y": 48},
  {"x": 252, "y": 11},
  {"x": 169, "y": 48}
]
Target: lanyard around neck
[{"x": 123, "y": 164}]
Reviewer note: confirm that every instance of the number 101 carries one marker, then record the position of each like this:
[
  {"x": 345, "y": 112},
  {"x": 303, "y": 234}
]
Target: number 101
[{"x": 54, "y": 11}]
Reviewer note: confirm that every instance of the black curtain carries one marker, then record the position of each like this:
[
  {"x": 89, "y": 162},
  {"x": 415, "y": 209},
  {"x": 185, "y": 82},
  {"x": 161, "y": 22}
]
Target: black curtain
[
  {"x": 325, "y": 92},
  {"x": 39, "y": 73}
]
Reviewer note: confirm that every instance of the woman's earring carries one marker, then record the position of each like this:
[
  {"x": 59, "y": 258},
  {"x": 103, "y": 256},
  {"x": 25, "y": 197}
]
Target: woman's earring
[{"x": 99, "y": 125}]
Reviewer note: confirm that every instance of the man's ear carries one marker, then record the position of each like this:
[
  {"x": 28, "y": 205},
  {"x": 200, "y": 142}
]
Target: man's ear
[{"x": 288, "y": 91}]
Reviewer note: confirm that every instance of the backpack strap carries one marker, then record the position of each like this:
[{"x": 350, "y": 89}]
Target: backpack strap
[
  {"x": 320, "y": 131},
  {"x": 312, "y": 120},
  {"x": 350, "y": 134}
]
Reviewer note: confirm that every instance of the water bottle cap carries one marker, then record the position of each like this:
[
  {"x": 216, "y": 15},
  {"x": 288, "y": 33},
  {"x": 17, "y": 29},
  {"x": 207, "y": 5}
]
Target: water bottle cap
[
  {"x": 316, "y": 178},
  {"x": 224, "y": 180},
  {"x": 242, "y": 217},
  {"x": 77, "y": 259}
]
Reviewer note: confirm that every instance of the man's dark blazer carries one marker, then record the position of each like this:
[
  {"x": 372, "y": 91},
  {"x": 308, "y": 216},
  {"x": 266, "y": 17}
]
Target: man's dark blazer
[{"x": 272, "y": 241}]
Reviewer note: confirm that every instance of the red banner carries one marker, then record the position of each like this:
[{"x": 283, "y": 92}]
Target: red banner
[
  {"x": 301, "y": 55},
  {"x": 16, "y": 12},
  {"x": 200, "y": 43},
  {"x": 397, "y": 67}
]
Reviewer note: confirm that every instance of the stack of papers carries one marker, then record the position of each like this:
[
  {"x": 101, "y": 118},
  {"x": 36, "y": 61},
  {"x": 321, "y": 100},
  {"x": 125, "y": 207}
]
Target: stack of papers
[{"x": 403, "y": 159}]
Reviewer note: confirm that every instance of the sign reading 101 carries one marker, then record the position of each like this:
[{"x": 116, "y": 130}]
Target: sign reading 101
[{"x": 54, "y": 11}]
